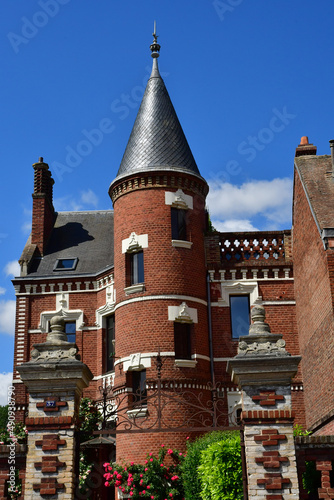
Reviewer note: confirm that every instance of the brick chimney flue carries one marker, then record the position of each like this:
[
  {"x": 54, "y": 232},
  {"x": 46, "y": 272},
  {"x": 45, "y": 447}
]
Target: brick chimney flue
[
  {"x": 331, "y": 143},
  {"x": 43, "y": 213},
  {"x": 305, "y": 148}
]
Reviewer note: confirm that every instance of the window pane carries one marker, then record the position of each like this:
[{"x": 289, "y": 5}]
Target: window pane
[
  {"x": 139, "y": 386},
  {"x": 178, "y": 223},
  {"x": 70, "y": 330},
  {"x": 239, "y": 305},
  {"x": 137, "y": 268},
  {"x": 110, "y": 343},
  {"x": 182, "y": 340}
]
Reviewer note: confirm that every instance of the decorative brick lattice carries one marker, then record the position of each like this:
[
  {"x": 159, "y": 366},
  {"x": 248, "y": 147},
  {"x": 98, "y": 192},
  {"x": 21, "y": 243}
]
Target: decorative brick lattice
[
  {"x": 271, "y": 460},
  {"x": 326, "y": 491},
  {"x": 267, "y": 398},
  {"x": 274, "y": 481},
  {"x": 49, "y": 464},
  {"x": 48, "y": 486},
  {"x": 50, "y": 442},
  {"x": 270, "y": 437}
]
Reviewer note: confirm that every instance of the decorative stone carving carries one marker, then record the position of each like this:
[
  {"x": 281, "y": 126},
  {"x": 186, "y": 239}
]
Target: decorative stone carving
[
  {"x": 56, "y": 347},
  {"x": 260, "y": 340}
]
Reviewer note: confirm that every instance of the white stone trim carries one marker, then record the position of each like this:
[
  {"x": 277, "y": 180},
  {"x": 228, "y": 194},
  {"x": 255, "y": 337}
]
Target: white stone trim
[
  {"x": 135, "y": 242},
  {"x": 239, "y": 288},
  {"x": 109, "y": 307},
  {"x": 139, "y": 287},
  {"x": 234, "y": 403},
  {"x": 182, "y": 244},
  {"x": 182, "y": 313},
  {"x": 136, "y": 413},
  {"x": 162, "y": 297},
  {"x": 186, "y": 363},
  {"x": 179, "y": 199},
  {"x": 137, "y": 361},
  {"x": 74, "y": 315},
  {"x": 278, "y": 302}
]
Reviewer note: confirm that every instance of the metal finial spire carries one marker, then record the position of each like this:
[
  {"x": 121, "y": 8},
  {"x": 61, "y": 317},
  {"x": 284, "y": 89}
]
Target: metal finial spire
[{"x": 155, "y": 47}]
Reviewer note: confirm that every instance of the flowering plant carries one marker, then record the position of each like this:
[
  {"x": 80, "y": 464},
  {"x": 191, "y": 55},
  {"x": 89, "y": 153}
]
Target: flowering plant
[
  {"x": 16, "y": 491},
  {"x": 17, "y": 434},
  {"x": 159, "y": 478}
]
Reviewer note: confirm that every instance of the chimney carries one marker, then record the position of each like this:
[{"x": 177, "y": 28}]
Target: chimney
[
  {"x": 331, "y": 143},
  {"x": 43, "y": 213},
  {"x": 305, "y": 148}
]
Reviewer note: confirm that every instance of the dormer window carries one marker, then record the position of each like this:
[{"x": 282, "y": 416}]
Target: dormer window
[{"x": 65, "y": 264}]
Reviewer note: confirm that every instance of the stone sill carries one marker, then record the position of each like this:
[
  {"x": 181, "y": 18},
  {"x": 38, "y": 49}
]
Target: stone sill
[
  {"x": 182, "y": 244},
  {"x": 140, "y": 287},
  {"x": 186, "y": 363},
  {"x": 137, "y": 413}
]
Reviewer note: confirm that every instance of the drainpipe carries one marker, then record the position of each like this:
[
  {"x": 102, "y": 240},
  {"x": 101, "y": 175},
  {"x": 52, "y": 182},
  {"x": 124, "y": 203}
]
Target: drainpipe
[{"x": 210, "y": 330}]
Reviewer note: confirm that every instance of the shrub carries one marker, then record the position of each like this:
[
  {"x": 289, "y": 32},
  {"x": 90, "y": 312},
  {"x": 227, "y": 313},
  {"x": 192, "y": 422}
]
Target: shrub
[
  {"x": 155, "y": 479},
  {"x": 190, "y": 476},
  {"x": 220, "y": 470}
]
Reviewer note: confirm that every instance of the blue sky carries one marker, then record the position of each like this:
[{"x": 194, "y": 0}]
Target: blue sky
[{"x": 247, "y": 79}]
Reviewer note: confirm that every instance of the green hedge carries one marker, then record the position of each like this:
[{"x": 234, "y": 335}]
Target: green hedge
[
  {"x": 194, "y": 481},
  {"x": 220, "y": 470}
]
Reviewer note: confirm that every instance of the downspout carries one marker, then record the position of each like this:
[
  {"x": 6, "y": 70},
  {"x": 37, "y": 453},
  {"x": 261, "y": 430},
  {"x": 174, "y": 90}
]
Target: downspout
[{"x": 210, "y": 331}]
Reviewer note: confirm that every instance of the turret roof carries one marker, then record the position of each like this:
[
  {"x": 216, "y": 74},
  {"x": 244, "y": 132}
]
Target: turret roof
[{"x": 157, "y": 141}]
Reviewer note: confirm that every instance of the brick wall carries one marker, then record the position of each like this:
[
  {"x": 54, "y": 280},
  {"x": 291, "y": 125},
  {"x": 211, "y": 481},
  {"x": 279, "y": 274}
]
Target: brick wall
[{"x": 314, "y": 309}]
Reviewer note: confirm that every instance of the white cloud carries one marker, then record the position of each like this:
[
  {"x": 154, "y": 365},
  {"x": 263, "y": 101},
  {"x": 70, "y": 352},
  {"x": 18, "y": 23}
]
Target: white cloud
[
  {"x": 26, "y": 227},
  {"x": 269, "y": 199},
  {"x": 12, "y": 268},
  {"x": 7, "y": 317},
  {"x": 233, "y": 225},
  {"x": 2, "y": 290},
  {"x": 68, "y": 203},
  {"x": 89, "y": 198},
  {"x": 5, "y": 381}
]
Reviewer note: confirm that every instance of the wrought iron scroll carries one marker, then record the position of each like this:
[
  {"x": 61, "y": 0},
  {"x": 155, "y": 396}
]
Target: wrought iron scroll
[{"x": 167, "y": 406}]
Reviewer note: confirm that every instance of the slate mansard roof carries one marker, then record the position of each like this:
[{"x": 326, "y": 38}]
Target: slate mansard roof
[
  {"x": 316, "y": 176},
  {"x": 86, "y": 236},
  {"x": 157, "y": 141}
]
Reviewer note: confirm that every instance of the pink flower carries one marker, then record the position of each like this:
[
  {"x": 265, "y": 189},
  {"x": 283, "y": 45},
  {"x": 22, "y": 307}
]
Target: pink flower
[
  {"x": 146, "y": 462},
  {"x": 131, "y": 493},
  {"x": 132, "y": 463},
  {"x": 150, "y": 454},
  {"x": 169, "y": 451},
  {"x": 146, "y": 469},
  {"x": 106, "y": 484},
  {"x": 151, "y": 459},
  {"x": 161, "y": 465},
  {"x": 187, "y": 437},
  {"x": 162, "y": 446}
]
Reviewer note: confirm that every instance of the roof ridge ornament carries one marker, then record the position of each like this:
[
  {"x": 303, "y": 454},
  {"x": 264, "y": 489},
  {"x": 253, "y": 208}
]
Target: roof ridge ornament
[{"x": 155, "y": 47}]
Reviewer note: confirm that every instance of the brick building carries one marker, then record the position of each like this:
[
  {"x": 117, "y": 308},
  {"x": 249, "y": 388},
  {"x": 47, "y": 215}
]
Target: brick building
[{"x": 150, "y": 278}]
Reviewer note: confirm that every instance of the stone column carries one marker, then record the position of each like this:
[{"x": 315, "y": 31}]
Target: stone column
[
  {"x": 263, "y": 370},
  {"x": 55, "y": 379}
]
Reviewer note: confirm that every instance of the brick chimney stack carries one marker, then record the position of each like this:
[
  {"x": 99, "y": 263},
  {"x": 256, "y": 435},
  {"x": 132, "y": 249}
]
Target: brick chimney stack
[
  {"x": 43, "y": 213},
  {"x": 305, "y": 148}
]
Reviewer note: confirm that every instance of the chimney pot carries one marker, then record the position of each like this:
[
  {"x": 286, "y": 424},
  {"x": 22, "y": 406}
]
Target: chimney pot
[
  {"x": 40, "y": 159},
  {"x": 304, "y": 140},
  {"x": 305, "y": 148}
]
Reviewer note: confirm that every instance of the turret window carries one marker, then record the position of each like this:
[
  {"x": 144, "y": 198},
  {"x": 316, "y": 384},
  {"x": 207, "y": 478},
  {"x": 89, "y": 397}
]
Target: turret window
[
  {"x": 182, "y": 340},
  {"x": 179, "y": 224},
  {"x": 136, "y": 268}
]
